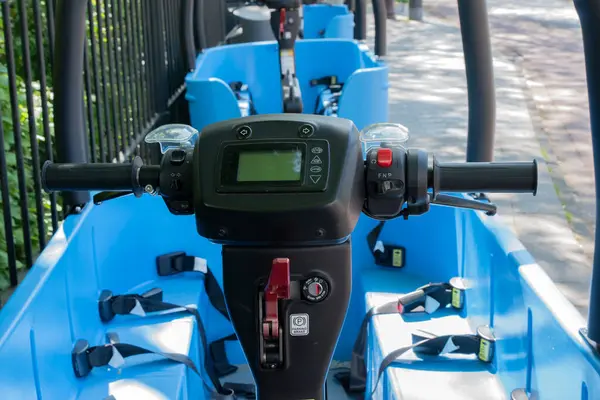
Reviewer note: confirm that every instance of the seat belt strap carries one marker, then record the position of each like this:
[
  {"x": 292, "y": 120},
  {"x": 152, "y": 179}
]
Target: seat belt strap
[
  {"x": 430, "y": 298},
  {"x": 385, "y": 254},
  {"x": 219, "y": 356},
  {"x": 178, "y": 262},
  {"x": 482, "y": 344},
  {"x": 84, "y": 358},
  {"x": 110, "y": 305}
]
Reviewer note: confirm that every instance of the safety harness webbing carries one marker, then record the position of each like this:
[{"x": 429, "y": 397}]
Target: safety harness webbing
[
  {"x": 174, "y": 263},
  {"x": 114, "y": 353},
  {"x": 432, "y": 345},
  {"x": 429, "y": 298},
  {"x": 219, "y": 356},
  {"x": 149, "y": 302}
]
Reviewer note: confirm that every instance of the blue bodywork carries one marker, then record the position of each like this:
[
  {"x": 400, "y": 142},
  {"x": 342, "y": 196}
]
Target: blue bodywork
[
  {"x": 364, "y": 97},
  {"x": 113, "y": 246}
]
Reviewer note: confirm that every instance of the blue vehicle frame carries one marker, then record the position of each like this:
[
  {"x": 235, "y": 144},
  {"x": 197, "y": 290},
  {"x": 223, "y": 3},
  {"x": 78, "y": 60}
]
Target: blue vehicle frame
[{"x": 541, "y": 346}]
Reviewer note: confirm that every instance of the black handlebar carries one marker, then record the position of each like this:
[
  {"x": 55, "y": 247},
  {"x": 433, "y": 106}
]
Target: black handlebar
[
  {"x": 484, "y": 177},
  {"x": 114, "y": 177},
  {"x": 511, "y": 177}
]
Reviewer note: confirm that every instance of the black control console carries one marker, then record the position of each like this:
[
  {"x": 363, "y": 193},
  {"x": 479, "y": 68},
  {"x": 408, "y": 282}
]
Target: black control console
[
  {"x": 283, "y": 194},
  {"x": 279, "y": 179}
]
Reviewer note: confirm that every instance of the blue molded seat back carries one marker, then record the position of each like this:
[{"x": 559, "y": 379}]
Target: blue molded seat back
[
  {"x": 328, "y": 21},
  {"x": 538, "y": 344},
  {"x": 364, "y": 97}
]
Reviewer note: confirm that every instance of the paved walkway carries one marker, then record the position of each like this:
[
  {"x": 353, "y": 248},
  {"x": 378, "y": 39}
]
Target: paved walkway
[
  {"x": 543, "y": 39},
  {"x": 428, "y": 95}
]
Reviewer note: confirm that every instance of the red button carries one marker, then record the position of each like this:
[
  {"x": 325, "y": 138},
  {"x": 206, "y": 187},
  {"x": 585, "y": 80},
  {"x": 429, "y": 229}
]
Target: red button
[{"x": 384, "y": 158}]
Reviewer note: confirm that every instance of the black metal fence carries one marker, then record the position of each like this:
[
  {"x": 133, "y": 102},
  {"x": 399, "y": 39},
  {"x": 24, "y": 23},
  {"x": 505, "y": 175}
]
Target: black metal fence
[
  {"x": 134, "y": 70},
  {"x": 133, "y": 80}
]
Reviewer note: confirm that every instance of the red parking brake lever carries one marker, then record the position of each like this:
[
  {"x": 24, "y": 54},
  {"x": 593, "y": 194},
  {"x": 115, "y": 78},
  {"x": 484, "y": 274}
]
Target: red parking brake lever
[
  {"x": 278, "y": 288},
  {"x": 281, "y": 22}
]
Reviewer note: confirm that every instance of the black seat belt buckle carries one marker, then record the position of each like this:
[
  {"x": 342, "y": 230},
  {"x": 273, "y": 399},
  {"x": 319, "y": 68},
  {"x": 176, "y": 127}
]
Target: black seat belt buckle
[
  {"x": 106, "y": 300},
  {"x": 389, "y": 256},
  {"x": 79, "y": 358},
  {"x": 105, "y": 306},
  {"x": 170, "y": 264},
  {"x": 325, "y": 81},
  {"x": 487, "y": 343}
]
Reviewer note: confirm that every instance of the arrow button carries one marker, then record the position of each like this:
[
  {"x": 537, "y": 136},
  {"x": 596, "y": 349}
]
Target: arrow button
[{"x": 315, "y": 178}]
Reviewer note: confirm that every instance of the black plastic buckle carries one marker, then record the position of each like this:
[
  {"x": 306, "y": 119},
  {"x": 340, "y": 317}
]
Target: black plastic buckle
[
  {"x": 326, "y": 81},
  {"x": 172, "y": 263},
  {"x": 79, "y": 358},
  {"x": 391, "y": 256},
  {"x": 106, "y": 300}
]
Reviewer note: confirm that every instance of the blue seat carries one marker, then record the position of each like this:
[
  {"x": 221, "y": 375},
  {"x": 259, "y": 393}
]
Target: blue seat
[
  {"x": 364, "y": 96},
  {"x": 82, "y": 260},
  {"x": 328, "y": 21},
  {"x": 450, "y": 377}
]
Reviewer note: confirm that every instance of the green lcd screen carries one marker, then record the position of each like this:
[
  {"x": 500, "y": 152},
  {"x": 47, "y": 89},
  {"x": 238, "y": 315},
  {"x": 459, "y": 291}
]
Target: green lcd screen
[{"x": 270, "y": 166}]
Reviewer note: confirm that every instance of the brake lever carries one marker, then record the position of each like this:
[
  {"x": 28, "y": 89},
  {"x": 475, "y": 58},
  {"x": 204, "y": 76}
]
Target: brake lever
[
  {"x": 459, "y": 202},
  {"x": 101, "y": 197}
]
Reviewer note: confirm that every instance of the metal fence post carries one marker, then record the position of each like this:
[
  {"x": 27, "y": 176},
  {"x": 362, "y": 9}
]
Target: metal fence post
[
  {"x": 415, "y": 10},
  {"x": 589, "y": 16},
  {"x": 480, "y": 79},
  {"x": 68, "y": 89}
]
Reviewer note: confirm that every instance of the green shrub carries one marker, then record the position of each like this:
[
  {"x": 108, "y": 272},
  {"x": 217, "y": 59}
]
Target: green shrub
[
  {"x": 8, "y": 125},
  {"x": 11, "y": 161}
]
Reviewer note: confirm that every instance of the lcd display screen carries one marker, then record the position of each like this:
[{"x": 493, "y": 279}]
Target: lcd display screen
[{"x": 270, "y": 166}]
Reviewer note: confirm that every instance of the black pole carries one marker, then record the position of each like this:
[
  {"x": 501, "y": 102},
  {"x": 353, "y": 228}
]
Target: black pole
[
  {"x": 415, "y": 10},
  {"x": 199, "y": 33},
  {"x": 189, "y": 47},
  {"x": 223, "y": 19},
  {"x": 380, "y": 13},
  {"x": 480, "y": 79},
  {"x": 68, "y": 90},
  {"x": 360, "y": 20},
  {"x": 589, "y": 15}
]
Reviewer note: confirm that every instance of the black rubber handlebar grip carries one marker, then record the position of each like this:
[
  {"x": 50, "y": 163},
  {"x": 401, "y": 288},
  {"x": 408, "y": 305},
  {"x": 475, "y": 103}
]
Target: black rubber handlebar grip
[
  {"x": 484, "y": 177},
  {"x": 83, "y": 177}
]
